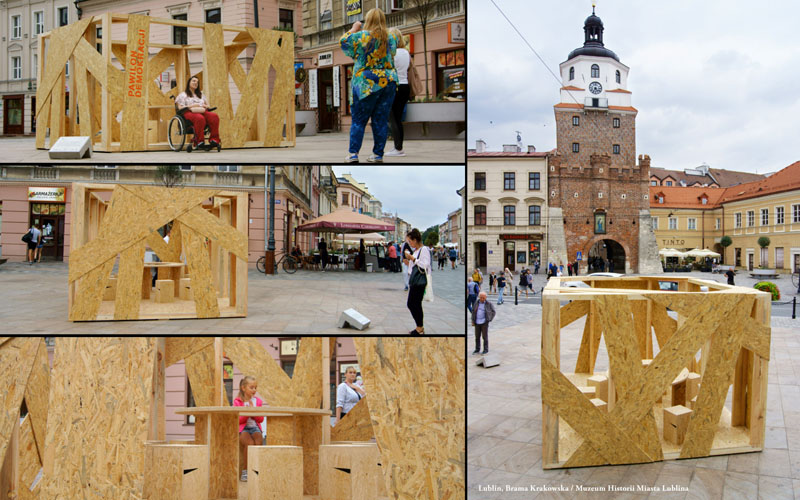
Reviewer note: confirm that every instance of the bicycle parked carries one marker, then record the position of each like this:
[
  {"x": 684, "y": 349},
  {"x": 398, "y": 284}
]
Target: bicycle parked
[
  {"x": 289, "y": 263},
  {"x": 796, "y": 279}
]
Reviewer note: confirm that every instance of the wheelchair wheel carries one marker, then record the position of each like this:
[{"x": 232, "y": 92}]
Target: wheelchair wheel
[{"x": 176, "y": 134}]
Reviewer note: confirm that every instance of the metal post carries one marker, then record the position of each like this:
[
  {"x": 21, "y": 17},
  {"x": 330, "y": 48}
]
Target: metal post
[
  {"x": 270, "y": 253},
  {"x": 794, "y": 308},
  {"x": 516, "y": 295}
]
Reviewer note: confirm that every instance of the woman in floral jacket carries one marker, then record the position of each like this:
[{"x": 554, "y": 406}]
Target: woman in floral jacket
[{"x": 374, "y": 82}]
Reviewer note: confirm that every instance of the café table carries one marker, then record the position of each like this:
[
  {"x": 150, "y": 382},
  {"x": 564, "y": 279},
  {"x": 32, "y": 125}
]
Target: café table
[{"x": 218, "y": 427}]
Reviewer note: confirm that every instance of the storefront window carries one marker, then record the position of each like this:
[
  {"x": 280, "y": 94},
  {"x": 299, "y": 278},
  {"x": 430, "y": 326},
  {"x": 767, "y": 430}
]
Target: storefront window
[
  {"x": 534, "y": 251},
  {"x": 451, "y": 78}
]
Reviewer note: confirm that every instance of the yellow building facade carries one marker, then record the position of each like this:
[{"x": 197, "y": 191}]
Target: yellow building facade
[{"x": 698, "y": 217}]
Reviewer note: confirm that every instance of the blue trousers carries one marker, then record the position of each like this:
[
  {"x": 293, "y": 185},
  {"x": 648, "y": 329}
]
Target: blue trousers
[{"x": 377, "y": 106}]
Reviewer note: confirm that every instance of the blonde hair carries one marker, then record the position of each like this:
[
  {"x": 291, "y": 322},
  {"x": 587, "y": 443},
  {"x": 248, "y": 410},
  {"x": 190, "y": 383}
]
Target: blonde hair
[
  {"x": 375, "y": 23},
  {"x": 401, "y": 41},
  {"x": 245, "y": 380}
]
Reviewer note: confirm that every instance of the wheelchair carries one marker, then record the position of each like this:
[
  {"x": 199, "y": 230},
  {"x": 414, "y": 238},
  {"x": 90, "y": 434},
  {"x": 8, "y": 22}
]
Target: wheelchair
[{"x": 180, "y": 127}]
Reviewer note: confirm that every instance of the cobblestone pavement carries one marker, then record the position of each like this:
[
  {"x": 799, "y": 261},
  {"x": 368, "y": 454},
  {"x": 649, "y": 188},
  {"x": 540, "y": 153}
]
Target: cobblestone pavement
[
  {"x": 320, "y": 148},
  {"x": 504, "y": 425},
  {"x": 33, "y": 299}
]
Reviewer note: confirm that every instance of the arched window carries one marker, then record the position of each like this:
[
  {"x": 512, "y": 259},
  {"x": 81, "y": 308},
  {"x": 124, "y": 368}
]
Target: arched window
[
  {"x": 572, "y": 73},
  {"x": 619, "y": 77},
  {"x": 595, "y": 71}
]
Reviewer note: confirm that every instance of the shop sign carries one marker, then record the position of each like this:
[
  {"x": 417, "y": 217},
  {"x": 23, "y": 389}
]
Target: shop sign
[
  {"x": 313, "y": 102},
  {"x": 353, "y": 7},
  {"x": 336, "y": 92},
  {"x": 456, "y": 33},
  {"x": 520, "y": 236},
  {"x": 325, "y": 59},
  {"x": 46, "y": 194}
]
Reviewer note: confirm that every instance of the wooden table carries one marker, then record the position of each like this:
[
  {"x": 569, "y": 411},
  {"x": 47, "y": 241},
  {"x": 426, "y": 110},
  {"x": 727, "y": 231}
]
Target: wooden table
[
  {"x": 166, "y": 271},
  {"x": 218, "y": 427}
]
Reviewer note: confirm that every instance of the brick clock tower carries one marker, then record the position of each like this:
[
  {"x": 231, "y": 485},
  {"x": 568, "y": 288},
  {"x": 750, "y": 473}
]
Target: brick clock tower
[{"x": 598, "y": 200}]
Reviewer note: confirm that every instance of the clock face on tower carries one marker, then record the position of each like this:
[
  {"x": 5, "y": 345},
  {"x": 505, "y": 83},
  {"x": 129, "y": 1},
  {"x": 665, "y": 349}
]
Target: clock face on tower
[{"x": 595, "y": 87}]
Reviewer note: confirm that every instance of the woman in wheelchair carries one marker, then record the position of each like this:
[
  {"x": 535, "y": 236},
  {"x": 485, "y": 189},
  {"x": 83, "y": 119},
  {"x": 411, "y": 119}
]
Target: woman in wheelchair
[{"x": 195, "y": 108}]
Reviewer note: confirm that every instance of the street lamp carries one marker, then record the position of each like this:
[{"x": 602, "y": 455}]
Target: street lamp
[{"x": 269, "y": 254}]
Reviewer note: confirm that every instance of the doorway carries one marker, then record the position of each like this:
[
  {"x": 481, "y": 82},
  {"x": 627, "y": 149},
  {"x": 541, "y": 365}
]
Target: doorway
[
  {"x": 750, "y": 258},
  {"x": 480, "y": 254},
  {"x": 13, "y": 115},
  {"x": 327, "y": 110},
  {"x": 50, "y": 217},
  {"x": 607, "y": 256},
  {"x": 508, "y": 255}
]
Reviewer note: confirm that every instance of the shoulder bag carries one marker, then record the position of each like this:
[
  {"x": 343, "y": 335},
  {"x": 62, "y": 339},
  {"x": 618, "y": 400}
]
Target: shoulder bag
[
  {"x": 414, "y": 82},
  {"x": 418, "y": 275}
]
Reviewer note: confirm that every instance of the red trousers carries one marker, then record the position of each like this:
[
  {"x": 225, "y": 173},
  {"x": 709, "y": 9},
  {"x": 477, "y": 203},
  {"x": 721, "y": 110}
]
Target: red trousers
[{"x": 199, "y": 122}]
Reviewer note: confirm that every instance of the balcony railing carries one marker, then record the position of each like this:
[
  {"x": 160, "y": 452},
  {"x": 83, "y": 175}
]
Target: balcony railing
[
  {"x": 104, "y": 174},
  {"x": 45, "y": 172},
  {"x": 227, "y": 179}
]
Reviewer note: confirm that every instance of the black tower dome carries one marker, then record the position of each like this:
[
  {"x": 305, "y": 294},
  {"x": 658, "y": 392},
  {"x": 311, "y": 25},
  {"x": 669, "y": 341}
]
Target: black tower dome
[{"x": 593, "y": 40}]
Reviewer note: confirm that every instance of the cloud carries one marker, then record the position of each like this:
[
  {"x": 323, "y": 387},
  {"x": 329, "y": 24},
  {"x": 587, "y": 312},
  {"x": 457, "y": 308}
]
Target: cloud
[
  {"x": 420, "y": 195},
  {"x": 713, "y": 81}
]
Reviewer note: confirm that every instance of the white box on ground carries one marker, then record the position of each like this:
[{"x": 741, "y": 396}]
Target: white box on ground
[
  {"x": 488, "y": 360},
  {"x": 71, "y": 148},
  {"x": 353, "y": 319}
]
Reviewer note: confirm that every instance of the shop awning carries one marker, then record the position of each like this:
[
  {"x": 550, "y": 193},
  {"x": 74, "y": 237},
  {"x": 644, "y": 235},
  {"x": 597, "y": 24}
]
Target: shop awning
[{"x": 346, "y": 221}]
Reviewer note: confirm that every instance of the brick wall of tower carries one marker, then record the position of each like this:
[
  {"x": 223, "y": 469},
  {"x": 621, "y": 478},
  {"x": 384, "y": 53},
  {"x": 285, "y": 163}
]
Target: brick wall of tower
[
  {"x": 575, "y": 188},
  {"x": 596, "y": 135}
]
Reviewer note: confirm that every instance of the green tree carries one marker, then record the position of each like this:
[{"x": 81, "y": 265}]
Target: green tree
[
  {"x": 169, "y": 175},
  {"x": 725, "y": 241},
  {"x": 431, "y": 234}
]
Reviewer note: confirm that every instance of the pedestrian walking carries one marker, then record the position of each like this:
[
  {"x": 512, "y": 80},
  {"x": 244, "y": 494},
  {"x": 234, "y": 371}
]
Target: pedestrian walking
[
  {"x": 523, "y": 282},
  {"x": 729, "y": 274},
  {"x": 392, "y": 257},
  {"x": 32, "y": 239},
  {"x": 453, "y": 257},
  {"x": 406, "y": 248},
  {"x": 569, "y": 269},
  {"x": 536, "y": 267},
  {"x": 530, "y": 282},
  {"x": 472, "y": 293},
  {"x": 501, "y": 286},
  {"x": 477, "y": 276},
  {"x": 419, "y": 278},
  {"x": 323, "y": 253},
  {"x": 482, "y": 315},
  {"x": 492, "y": 282},
  {"x": 402, "y": 60},
  {"x": 509, "y": 280}
]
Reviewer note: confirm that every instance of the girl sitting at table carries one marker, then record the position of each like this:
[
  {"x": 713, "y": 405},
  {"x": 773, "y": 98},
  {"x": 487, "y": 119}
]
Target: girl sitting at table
[{"x": 249, "y": 427}]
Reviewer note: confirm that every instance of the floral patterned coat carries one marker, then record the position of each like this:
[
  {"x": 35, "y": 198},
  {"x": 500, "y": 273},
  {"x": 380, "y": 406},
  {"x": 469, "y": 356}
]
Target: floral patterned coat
[{"x": 374, "y": 61}]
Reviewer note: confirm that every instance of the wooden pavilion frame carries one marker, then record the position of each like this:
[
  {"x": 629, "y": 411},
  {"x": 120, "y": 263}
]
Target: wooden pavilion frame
[
  {"x": 90, "y": 418},
  {"x": 115, "y": 223},
  {"x": 649, "y": 408},
  {"x": 118, "y": 104}
]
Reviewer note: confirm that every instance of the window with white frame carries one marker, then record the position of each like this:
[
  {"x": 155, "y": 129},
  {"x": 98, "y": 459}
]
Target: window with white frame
[
  {"x": 186, "y": 168},
  {"x": 765, "y": 217},
  {"x": 795, "y": 213},
  {"x": 751, "y": 218},
  {"x": 16, "y": 27},
  {"x": 692, "y": 224},
  {"x": 673, "y": 223},
  {"x": 655, "y": 223},
  {"x": 38, "y": 22},
  {"x": 718, "y": 223},
  {"x": 16, "y": 68},
  {"x": 737, "y": 220},
  {"x": 227, "y": 168},
  {"x": 779, "y": 215},
  {"x": 63, "y": 16}
]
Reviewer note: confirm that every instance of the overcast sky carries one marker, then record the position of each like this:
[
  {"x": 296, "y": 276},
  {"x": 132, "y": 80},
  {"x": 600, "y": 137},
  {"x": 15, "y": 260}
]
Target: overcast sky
[
  {"x": 422, "y": 196},
  {"x": 714, "y": 81}
]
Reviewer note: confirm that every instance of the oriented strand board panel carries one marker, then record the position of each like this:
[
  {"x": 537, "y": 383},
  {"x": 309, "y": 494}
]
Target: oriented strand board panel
[
  {"x": 17, "y": 358},
  {"x": 179, "y": 348},
  {"x": 36, "y": 394},
  {"x": 728, "y": 326},
  {"x": 306, "y": 376},
  {"x": 200, "y": 370},
  {"x": 350, "y": 471},
  {"x": 121, "y": 233},
  {"x": 127, "y": 111},
  {"x": 416, "y": 402},
  {"x": 98, "y": 417},
  {"x": 176, "y": 472},
  {"x": 250, "y": 357},
  {"x": 29, "y": 462},
  {"x": 355, "y": 426},
  {"x": 274, "y": 473}
]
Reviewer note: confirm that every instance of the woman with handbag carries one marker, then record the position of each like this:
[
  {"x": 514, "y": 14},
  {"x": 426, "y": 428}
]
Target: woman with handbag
[
  {"x": 419, "y": 269},
  {"x": 402, "y": 59}
]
